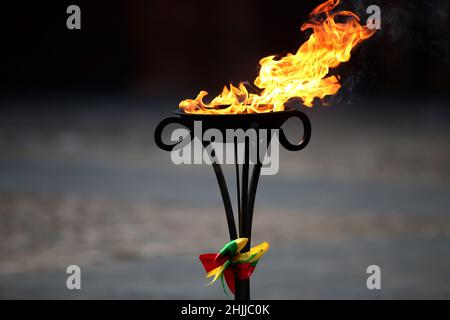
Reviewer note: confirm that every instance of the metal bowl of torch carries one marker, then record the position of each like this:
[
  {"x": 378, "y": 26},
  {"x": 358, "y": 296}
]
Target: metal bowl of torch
[{"x": 244, "y": 121}]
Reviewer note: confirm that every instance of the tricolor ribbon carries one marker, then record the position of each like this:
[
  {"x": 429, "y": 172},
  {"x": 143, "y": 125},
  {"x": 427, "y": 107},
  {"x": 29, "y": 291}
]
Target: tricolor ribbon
[{"x": 229, "y": 262}]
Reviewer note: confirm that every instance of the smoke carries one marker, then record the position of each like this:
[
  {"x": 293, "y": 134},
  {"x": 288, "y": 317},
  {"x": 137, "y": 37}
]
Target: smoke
[
  {"x": 416, "y": 24},
  {"x": 439, "y": 28},
  {"x": 411, "y": 49}
]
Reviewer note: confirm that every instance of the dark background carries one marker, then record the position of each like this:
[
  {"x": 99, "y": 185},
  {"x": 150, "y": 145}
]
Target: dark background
[
  {"x": 166, "y": 47},
  {"x": 82, "y": 181}
]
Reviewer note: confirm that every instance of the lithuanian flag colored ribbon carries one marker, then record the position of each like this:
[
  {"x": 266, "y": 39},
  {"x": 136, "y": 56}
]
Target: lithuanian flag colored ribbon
[{"x": 229, "y": 262}]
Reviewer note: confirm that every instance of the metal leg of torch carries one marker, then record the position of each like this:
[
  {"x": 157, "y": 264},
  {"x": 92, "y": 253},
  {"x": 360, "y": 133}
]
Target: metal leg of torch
[
  {"x": 246, "y": 195},
  {"x": 225, "y": 196},
  {"x": 243, "y": 286},
  {"x": 245, "y": 228}
]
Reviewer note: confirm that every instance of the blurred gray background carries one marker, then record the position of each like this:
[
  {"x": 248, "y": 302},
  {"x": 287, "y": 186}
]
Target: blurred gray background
[{"x": 82, "y": 182}]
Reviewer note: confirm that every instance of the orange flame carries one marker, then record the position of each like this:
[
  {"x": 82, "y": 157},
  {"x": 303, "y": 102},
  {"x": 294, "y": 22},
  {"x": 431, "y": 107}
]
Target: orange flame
[{"x": 302, "y": 75}]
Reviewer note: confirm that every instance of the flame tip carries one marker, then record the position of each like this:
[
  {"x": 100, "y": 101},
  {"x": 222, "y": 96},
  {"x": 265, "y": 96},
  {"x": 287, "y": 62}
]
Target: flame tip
[{"x": 302, "y": 75}]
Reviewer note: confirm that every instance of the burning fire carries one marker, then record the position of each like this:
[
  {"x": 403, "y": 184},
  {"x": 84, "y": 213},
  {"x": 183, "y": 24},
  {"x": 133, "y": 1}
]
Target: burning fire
[{"x": 302, "y": 75}]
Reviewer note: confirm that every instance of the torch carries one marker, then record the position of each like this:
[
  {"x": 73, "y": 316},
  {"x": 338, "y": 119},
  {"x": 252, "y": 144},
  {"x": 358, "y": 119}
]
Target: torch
[
  {"x": 303, "y": 75},
  {"x": 246, "y": 184}
]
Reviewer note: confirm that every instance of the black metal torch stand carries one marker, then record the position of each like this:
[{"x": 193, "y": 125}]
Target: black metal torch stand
[{"x": 246, "y": 185}]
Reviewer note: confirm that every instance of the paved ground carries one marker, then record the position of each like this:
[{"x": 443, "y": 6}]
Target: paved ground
[{"x": 88, "y": 187}]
